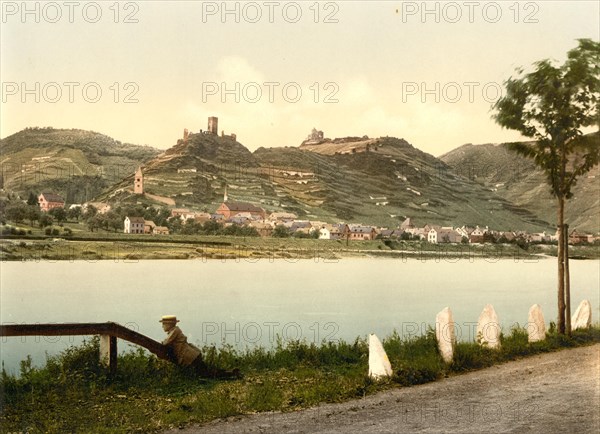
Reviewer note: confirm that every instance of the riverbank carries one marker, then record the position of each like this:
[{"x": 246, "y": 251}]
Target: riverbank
[
  {"x": 118, "y": 247},
  {"x": 556, "y": 392},
  {"x": 72, "y": 392}
]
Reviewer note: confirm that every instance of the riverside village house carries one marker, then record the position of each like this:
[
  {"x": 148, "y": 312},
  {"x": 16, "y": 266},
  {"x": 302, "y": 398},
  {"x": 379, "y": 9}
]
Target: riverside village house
[
  {"x": 230, "y": 209},
  {"x": 134, "y": 225},
  {"x": 48, "y": 201},
  {"x": 137, "y": 225}
]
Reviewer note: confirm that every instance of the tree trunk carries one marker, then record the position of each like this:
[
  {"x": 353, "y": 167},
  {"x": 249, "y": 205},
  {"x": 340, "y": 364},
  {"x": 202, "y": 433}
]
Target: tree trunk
[
  {"x": 567, "y": 282},
  {"x": 561, "y": 267}
]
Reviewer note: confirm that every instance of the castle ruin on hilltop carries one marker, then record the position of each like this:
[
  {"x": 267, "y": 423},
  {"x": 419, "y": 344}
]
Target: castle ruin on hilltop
[
  {"x": 315, "y": 137},
  {"x": 213, "y": 130}
]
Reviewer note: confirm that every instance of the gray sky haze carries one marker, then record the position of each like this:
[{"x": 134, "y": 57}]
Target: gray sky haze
[{"x": 141, "y": 72}]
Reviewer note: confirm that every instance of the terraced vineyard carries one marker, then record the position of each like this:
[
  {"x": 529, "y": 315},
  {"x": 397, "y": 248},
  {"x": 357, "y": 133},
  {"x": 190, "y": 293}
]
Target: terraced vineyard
[
  {"x": 517, "y": 180},
  {"x": 377, "y": 181}
]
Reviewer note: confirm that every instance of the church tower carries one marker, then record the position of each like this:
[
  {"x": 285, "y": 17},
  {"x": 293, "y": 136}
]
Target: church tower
[
  {"x": 138, "y": 184},
  {"x": 225, "y": 195}
]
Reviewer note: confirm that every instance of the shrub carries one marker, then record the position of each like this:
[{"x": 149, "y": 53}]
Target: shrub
[{"x": 470, "y": 355}]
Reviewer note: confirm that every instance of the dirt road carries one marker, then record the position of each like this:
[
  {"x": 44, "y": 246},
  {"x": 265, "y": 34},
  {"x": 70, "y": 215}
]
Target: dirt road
[{"x": 551, "y": 393}]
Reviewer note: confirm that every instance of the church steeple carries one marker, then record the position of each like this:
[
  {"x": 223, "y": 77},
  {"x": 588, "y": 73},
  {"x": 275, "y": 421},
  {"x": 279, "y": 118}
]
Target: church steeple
[{"x": 225, "y": 195}]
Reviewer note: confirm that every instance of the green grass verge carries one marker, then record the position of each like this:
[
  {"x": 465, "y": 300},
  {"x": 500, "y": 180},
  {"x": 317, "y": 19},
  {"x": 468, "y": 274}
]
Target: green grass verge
[{"x": 74, "y": 393}]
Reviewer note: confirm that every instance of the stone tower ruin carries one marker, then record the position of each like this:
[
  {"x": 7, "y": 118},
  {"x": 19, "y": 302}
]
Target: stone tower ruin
[{"x": 213, "y": 125}]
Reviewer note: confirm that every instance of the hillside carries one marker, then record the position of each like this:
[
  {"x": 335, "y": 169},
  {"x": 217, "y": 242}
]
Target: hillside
[
  {"x": 191, "y": 173},
  {"x": 74, "y": 163},
  {"x": 380, "y": 184},
  {"x": 378, "y": 181},
  {"x": 389, "y": 180},
  {"x": 517, "y": 180}
]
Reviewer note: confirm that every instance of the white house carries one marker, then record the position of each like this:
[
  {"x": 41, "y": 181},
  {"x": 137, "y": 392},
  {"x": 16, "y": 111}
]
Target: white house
[
  {"x": 432, "y": 236},
  {"x": 324, "y": 233},
  {"x": 134, "y": 225}
]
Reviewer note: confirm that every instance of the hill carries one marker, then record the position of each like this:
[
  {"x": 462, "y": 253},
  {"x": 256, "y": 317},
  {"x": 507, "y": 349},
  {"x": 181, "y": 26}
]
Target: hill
[
  {"x": 191, "y": 173},
  {"x": 379, "y": 184},
  {"x": 377, "y": 181},
  {"x": 388, "y": 180},
  {"x": 517, "y": 180},
  {"x": 75, "y": 163}
]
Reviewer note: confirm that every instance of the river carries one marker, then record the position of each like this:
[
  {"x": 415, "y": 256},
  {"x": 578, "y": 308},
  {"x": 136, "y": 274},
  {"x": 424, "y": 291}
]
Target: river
[{"x": 251, "y": 303}]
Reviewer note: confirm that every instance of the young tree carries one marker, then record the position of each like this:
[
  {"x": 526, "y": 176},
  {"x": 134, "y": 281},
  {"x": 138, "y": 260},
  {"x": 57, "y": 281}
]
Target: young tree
[
  {"x": 553, "y": 104},
  {"x": 90, "y": 212},
  {"x": 59, "y": 214},
  {"x": 33, "y": 213},
  {"x": 16, "y": 211},
  {"x": 281, "y": 231},
  {"x": 74, "y": 213},
  {"x": 45, "y": 220},
  {"x": 210, "y": 227},
  {"x": 174, "y": 225},
  {"x": 114, "y": 221},
  {"x": 32, "y": 199}
]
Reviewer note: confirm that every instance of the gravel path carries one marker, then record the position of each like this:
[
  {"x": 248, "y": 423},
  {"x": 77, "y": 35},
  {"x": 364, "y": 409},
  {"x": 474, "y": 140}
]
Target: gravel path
[{"x": 557, "y": 392}]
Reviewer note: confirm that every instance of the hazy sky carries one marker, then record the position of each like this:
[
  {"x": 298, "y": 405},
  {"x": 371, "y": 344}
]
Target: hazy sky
[{"x": 377, "y": 68}]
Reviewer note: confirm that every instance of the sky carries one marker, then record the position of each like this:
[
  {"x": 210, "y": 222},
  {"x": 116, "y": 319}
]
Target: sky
[{"x": 141, "y": 72}]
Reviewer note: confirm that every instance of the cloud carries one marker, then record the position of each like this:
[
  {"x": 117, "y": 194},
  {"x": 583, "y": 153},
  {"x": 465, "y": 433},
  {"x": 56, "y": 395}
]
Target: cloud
[{"x": 231, "y": 69}]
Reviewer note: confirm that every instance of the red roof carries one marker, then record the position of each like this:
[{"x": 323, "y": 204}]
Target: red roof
[
  {"x": 242, "y": 207},
  {"x": 51, "y": 197}
]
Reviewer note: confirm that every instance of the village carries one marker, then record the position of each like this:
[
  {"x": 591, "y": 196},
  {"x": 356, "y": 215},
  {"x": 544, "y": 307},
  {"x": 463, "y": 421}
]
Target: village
[
  {"x": 240, "y": 218},
  {"x": 236, "y": 214}
]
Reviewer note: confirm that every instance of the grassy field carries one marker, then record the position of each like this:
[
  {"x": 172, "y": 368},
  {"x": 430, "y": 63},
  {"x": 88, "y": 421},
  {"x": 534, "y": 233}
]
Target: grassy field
[
  {"x": 73, "y": 241},
  {"x": 73, "y": 392},
  {"x": 120, "y": 247},
  {"x": 82, "y": 244}
]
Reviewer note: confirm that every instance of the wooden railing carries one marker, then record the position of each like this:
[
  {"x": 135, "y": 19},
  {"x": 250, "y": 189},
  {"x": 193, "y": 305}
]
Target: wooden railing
[{"x": 108, "y": 332}]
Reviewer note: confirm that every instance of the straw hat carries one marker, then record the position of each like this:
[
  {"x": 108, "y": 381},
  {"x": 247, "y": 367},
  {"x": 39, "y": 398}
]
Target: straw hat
[{"x": 169, "y": 318}]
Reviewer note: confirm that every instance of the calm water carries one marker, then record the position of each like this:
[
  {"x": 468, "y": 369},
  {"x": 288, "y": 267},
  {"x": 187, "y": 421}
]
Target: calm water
[{"x": 250, "y": 303}]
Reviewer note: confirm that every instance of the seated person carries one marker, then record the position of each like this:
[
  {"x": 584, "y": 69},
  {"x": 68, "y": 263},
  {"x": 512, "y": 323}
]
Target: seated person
[{"x": 185, "y": 354}]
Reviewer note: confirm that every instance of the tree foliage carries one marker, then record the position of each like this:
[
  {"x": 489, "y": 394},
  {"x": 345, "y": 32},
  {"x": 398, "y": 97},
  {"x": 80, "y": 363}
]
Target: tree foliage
[
  {"x": 553, "y": 105},
  {"x": 281, "y": 231}
]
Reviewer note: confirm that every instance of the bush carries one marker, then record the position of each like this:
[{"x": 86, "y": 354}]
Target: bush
[
  {"x": 407, "y": 375},
  {"x": 415, "y": 359},
  {"x": 470, "y": 355}
]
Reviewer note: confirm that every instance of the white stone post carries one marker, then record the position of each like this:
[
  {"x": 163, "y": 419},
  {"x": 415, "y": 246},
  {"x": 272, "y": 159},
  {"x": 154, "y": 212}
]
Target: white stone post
[
  {"x": 536, "y": 326},
  {"x": 445, "y": 334},
  {"x": 582, "y": 318},
  {"x": 488, "y": 328},
  {"x": 379, "y": 364}
]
